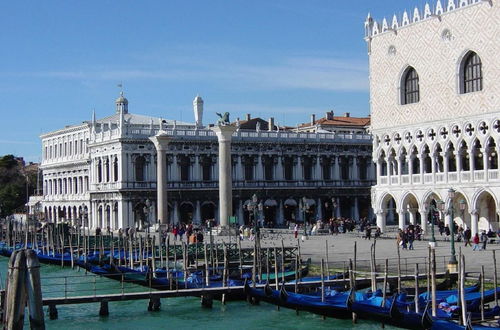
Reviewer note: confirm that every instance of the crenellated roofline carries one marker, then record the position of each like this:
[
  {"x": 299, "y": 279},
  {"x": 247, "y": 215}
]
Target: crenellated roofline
[{"x": 374, "y": 28}]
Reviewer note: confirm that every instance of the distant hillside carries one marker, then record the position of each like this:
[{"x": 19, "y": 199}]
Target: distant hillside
[{"x": 13, "y": 179}]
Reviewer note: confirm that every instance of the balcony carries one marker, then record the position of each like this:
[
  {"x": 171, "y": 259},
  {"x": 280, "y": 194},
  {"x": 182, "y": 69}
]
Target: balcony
[{"x": 463, "y": 177}]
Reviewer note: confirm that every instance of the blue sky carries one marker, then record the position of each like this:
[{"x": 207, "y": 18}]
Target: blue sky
[{"x": 281, "y": 58}]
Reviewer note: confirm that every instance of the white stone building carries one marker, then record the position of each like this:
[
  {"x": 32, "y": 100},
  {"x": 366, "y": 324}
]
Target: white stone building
[
  {"x": 103, "y": 172},
  {"x": 435, "y": 112}
]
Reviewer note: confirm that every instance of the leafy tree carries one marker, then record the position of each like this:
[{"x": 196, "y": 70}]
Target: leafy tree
[{"x": 13, "y": 181}]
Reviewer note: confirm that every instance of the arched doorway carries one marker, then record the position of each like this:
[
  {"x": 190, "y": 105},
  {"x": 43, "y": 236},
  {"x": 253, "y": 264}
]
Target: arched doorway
[
  {"x": 270, "y": 207},
  {"x": 487, "y": 212},
  {"x": 186, "y": 211},
  {"x": 207, "y": 211},
  {"x": 388, "y": 213},
  {"x": 290, "y": 208},
  {"x": 409, "y": 205}
]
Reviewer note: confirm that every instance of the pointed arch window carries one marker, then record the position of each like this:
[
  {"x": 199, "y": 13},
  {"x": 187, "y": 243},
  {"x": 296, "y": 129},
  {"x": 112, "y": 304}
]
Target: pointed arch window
[
  {"x": 472, "y": 74},
  {"x": 410, "y": 87}
]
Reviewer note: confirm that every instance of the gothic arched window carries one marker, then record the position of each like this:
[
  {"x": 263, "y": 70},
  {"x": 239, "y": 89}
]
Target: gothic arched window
[
  {"x": 472, "y": 75},
  {"x": 410, "y": 87}
]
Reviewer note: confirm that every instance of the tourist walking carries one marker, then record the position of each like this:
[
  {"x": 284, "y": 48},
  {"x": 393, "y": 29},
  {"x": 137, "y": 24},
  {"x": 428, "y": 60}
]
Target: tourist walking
[
  {"x": 475, "y": 241},
  {"x": 467, "y": 237},
  {"x": 296, "y": 230},
  {"x": 368, "y": 232},
  {"x": 484, "y": 240}
]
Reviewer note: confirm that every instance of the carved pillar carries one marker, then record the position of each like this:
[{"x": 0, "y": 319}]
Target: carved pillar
[{"x": 239, "y": 169}]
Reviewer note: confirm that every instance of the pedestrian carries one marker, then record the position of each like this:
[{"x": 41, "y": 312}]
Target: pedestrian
[
  {"x": 447, "y": 232},
  {"x": 484, "y": 239},
  {"x": 411, "y": 238},
  {"x": 475, "y": 240},
  {"x": 175, "y": 231},
  {"x": 296, "y": 230},
  {"x": 467, "y": 237},
  {"x": 368, "y": 232}
]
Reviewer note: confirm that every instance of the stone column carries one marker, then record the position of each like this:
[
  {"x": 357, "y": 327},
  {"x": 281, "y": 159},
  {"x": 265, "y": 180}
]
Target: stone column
[
  {"x": 423, "y": 220},
  {"x": 224, "y": 134},
  {"x": 338, "y": 210},
  {"x": 401, "y": 220},
  {"x": 474, "y": 222},
  {"x": 336, "y": 168},
  {"x": 197, "y": 213},
  {"x": 355, "y": 168},
  {"x": 317, "y": 172},
  {"x": 280, "y": 217},
  {"x": 175, "y": 219},
  {"x": 356, "y": 209},
  {"x": 319, "y": 207},
  {"x": 260, "y": 170},
  {"x": 279, "y": 169},
  {"x": 381, "y": 220},
  {"x": 161, "y": 140},
  {"x": 239, "y": 169}
]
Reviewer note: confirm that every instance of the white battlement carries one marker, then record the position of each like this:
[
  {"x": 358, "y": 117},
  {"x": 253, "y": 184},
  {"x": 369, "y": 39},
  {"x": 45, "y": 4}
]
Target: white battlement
[{"x": 374, "y": 28}]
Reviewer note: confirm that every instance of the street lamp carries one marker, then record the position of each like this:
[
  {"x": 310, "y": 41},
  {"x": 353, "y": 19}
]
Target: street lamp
[
  {"x": 254, "y": 206},
  {"x": 147, "y": 208},
  {"x": 452, "y": 264},
  {"x": 304, "y": 206},
  {"x": 434, "y": 210}
]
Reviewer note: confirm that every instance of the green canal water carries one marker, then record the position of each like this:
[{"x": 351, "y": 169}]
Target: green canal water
[{"x": 176, "y": 313}]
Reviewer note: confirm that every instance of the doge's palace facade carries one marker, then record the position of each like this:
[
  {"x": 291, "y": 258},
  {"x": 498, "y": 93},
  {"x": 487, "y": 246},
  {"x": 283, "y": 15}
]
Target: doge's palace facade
[{"x": 435, "y": 112}]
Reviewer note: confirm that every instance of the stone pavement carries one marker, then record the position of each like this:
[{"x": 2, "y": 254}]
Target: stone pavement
[{"x": 341, "y": 247}]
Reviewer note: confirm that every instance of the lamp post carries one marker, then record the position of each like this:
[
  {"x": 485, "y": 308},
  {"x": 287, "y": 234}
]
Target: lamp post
[
  {"x": 304, "y": 206},
  {"x": 254, "y": 206},
  {"x": 452, "y": 264},
  {"x": 147, "y": 209},
  {"x": 434, "y": 210}
]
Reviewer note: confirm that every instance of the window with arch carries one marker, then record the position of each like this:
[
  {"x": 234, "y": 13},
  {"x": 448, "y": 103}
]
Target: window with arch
[
  {"x": 410, "y": 87},
  {"x": 472, "y": 74}
]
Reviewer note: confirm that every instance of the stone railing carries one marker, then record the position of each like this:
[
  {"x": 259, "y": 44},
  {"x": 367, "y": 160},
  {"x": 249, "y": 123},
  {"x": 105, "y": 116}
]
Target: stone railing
[{"x": 439, "y": 178}]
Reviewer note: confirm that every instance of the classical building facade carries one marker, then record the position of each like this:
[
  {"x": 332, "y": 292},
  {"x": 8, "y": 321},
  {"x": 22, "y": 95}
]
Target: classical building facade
[
  {"x": 103, "y": 171},
  {"x": 435, "y": 113}
]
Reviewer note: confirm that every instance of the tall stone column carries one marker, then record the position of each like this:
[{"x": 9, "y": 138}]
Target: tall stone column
[
  {"x": 279, "y": 169},
  {"x": 381, "y": 220},
  {"x": 224, "y": 135},
  {"x": 474, "y": 222},
  {"x": 356, "y": 209},
  {"x": 161, "y": 140},
  {"x": 197, "y": 213},
  {"x": 401, "y": 219}
]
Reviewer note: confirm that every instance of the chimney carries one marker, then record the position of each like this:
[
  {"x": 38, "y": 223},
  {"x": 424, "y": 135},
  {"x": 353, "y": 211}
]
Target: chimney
[
  {"x": 313, "y": 119},
  {"x": 329, "y": 115},
  {"x": 270, "y": 124},
  {"x": 347, "y": 114},
  {"x": 248, "y": 117}
]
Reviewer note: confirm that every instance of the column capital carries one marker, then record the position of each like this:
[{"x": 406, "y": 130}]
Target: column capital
[
  {"x": 224, "y": 133},
  {"x": 161, "y": 140}
]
